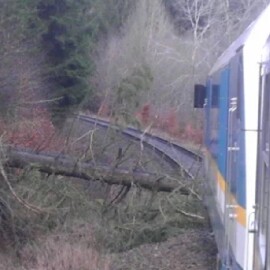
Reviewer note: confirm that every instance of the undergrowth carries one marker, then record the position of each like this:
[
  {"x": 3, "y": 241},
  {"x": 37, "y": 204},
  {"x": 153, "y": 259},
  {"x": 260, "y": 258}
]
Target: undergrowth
[
  {"x": 78, "y": 224},
  {"x": 145, "y": 217}
]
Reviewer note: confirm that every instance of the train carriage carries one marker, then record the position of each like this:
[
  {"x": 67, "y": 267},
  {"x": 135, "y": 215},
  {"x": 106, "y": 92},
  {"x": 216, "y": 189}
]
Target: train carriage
[
  {"x": 237, "y": 151},
  {"x": 262, "y": 213}
]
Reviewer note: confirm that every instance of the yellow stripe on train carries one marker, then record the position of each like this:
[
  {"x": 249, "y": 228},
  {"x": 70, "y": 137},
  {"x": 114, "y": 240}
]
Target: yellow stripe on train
[{"x": 240, "y": 212}]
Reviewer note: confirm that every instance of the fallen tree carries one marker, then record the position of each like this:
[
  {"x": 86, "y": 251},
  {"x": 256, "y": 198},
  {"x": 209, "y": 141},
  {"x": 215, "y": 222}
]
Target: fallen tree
[{"x": 72, "y": 167}]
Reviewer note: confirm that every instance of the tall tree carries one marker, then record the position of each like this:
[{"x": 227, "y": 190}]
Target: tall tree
[
  {"x": 67, "y": 38},
  {"x": 71, "y": 31}
]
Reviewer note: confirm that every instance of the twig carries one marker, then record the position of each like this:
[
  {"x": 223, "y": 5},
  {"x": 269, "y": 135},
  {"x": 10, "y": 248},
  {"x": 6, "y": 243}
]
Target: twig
[
  {"x": 161, "y": 212},
  {"x": 187, "y": 214},
  {"x": 30, "y": 207},
  {"x": 181, "y": 185}
]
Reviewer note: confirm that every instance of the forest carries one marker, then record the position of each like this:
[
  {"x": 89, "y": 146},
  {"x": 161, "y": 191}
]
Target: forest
[{"x": 133, "y": 62}]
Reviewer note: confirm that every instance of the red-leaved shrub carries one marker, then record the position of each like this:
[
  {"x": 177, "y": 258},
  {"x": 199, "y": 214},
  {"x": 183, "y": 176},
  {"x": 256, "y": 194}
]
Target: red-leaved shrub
[
  {"x": 144, "y": 114},
  {"x": 31, "y": 129},
  {"x": 169, "y": 122}
]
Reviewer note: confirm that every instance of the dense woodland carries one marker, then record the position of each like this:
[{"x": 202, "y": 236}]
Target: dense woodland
[
  {"x": 78, "y": 52},
  {"x": 60, "y": 38},
  {"x": 131, "y": 61},
  {"x": 117, "y": 56}
]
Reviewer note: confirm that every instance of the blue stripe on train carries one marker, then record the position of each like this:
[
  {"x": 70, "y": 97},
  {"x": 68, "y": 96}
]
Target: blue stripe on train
[
  {"x": 223, "y": 121},
  {"x": 219, "y": 149}
]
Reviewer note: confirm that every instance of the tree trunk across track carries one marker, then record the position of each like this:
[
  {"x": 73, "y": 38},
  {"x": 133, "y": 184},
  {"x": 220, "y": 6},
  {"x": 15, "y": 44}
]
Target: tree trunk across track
[{"x": 72, "y": 167}]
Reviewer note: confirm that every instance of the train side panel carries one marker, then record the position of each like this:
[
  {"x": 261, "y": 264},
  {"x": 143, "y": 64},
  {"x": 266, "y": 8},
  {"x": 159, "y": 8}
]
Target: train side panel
[
  {"x": 226, "y": 149},
  {"x": 262, "y": 217},
  {"x": 216, "y": 145},
  {"x": 237, "y": 166}
]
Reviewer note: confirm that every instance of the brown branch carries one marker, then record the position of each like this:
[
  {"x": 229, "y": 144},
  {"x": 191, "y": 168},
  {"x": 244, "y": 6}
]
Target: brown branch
[{"x": 30, "y": 207}]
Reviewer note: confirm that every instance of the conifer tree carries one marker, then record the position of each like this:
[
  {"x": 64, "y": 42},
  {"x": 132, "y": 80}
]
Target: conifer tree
[
  {"x": 67, "y": 41},
  {"x": 71, "y": 32}
]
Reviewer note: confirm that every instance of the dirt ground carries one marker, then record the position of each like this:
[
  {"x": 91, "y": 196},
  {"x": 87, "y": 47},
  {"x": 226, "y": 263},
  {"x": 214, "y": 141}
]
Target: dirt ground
[{"x": 193, "y": 249}]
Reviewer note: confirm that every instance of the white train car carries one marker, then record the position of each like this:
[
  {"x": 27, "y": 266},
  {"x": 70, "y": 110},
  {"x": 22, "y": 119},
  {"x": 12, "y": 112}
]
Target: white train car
[
  {"x": 262, "y": 213},
  {"x": 236, "y": 105}
]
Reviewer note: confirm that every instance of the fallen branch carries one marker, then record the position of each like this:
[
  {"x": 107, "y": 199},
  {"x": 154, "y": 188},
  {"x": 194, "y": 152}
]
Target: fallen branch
[
  {"x": 30, "y": 207},
  {"x": 70, "y": 167},
  {"x": 184, "y": 213}
]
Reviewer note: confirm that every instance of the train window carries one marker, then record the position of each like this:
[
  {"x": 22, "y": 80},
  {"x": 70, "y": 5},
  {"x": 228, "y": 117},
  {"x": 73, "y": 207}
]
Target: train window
[
  {"x": 239, "y": 85},
  {"x": 264, "y": 200},
  {"x": 265, "y": 116},
  {"x": 214, "y": 118},
  {"x": 215, "y": 95},
  {"x": 199, "y": 95}
]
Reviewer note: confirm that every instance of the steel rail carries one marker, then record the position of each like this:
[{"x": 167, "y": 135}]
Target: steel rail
[{"x": 176, "y": 154}]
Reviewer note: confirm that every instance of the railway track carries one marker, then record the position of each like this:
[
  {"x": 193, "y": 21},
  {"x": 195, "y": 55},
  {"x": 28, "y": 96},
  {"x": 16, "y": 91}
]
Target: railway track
[{"x": 188, "y": 161}]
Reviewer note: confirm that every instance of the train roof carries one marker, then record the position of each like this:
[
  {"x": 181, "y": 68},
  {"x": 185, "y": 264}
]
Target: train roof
[{"x": 253, "y": 30}]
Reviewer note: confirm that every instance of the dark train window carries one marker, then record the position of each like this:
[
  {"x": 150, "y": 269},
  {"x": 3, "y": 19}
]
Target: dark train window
[
  {"x": 199, "y": 95},
  {"x": 239, "y": 86},
  {"x": 215, "y": 96},
  {"x": 265, "y": 116},
  {"x": 264, "y": 200},
  {"x": 263, "y": 173}
]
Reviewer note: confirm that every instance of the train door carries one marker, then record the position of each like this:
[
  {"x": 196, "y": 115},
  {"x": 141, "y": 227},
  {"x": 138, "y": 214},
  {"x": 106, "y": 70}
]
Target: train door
[
  {"x": 262, "y": 237},
  {"x": 233, "y": 148}
]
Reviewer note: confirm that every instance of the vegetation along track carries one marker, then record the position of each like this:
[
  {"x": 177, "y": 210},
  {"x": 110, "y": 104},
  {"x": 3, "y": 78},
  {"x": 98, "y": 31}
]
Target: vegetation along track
[{"x": 177, "y": 155}]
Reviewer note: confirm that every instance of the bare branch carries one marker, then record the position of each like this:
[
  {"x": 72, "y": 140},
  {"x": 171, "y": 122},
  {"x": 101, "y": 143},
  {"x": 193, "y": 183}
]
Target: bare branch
[{"x": 30, "y": 207}]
